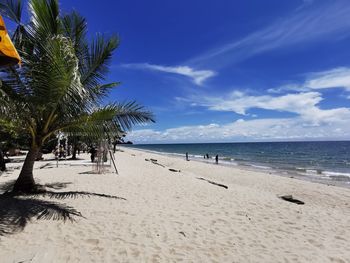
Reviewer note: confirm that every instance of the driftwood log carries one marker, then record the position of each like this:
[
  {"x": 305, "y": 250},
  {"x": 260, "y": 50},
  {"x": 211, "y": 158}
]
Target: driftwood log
[
  {"x": 154, "y": 161},
  {"x": 289, "y": 198},
  {"x": 214, "y": 183}
]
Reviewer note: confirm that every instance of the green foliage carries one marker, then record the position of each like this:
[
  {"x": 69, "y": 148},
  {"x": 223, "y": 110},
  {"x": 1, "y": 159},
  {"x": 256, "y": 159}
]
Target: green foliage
[
  {"x": 60, "y": 84},
  {"x": 11, "y": 136}
]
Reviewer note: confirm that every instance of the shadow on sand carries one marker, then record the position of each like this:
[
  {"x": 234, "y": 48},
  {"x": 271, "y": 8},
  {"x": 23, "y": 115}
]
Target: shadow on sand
[
  {"x": 17, "y": 210},
  {"x": 89, "y": 172}
]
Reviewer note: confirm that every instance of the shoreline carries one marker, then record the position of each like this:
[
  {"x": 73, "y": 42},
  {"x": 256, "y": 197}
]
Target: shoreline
[{"x": 313, "y": 176}]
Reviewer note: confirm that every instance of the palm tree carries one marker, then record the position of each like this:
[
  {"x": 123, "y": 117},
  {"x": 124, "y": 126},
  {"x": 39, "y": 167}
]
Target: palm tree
[{"x": 59, "y": 86}]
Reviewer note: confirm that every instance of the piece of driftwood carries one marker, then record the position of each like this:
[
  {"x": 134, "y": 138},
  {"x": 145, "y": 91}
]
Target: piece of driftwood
[
  {"x": 214, "y": 183},
  {"x": 158, "y": 164},
  {"x": 146, "y": 160},
  {"x": 44, "y": 166},
  {"x": 154, "y": 160},
  {"x": 289, "y": 198},
  {"x": 182, "y": 233},
  {"x": 174, "y": 170}
]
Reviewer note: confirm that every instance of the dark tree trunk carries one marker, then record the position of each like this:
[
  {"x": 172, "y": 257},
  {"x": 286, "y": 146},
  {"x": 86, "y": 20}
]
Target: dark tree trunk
[
  {"x": 75, "y": 149},
  {"x": 25, "y": 182},
  {"x": 2, "y": 161}
]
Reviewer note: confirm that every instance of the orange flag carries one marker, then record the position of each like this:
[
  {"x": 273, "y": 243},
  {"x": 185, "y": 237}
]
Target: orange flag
[{"x": 8, "y": 53}]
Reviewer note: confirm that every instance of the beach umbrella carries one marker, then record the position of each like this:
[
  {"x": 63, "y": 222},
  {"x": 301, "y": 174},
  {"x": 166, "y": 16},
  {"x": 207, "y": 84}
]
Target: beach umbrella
[{"x": 8, "y": 53}]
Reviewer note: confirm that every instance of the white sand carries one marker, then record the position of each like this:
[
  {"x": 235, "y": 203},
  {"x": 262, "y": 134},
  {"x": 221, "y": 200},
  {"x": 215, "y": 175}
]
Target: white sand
[{"x": 174, "y": 217}]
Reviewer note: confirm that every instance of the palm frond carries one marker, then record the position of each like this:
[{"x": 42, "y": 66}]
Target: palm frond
[
  {"x": 12, "y": 9},
  {"x": 11, "y": 88},
  {"x": 100, "y": 54},
  {"x": 13, "y": 79},
  {"x": 95, "y": 125},
  {"x": 45, "y": 18},
  {"x": 75, "y": 28},
  {"x": 98, "y": 93},
  {"x": 129, "y": 114},
  {"x": 110, "y": 120}
]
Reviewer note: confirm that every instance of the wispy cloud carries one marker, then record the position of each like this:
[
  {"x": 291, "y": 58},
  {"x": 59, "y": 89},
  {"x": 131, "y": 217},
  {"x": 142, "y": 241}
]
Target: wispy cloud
[
  {"x": 304, "y": 104},
  {"x": 305, "y": 3},
  {"x": 244, "y": 130},
  {"x": 324, "y": 21},
  {"x": 197, "y": 76},
  {"x": 334, "y": 78}
]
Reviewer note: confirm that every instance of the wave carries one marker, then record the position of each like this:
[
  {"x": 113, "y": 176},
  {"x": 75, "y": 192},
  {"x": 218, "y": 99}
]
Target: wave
[
  {"x": 313, "y": 171},
  {"x": 335, "y": 174},
  {"x": 260, "y": 166}
]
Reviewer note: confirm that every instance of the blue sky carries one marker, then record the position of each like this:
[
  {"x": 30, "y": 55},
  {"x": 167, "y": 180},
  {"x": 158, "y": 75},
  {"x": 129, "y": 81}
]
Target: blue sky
[{"x": 222, "y": 71}]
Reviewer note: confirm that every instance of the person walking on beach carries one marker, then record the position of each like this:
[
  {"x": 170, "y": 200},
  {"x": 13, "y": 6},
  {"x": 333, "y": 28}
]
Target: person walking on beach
[
  {"x": 217, "y": 159},
  {"x": 207, "y": 156},
  {"x": 187, "y": 156}
]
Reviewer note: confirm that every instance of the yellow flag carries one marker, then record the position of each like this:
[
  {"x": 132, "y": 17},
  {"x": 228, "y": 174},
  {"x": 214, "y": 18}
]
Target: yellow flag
[{"x": 8, "y": 53}]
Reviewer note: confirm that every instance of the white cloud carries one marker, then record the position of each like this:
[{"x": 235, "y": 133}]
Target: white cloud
[
  {"x": 310, "y": 123},
  {"x": 334, "y": 78},
  {"x": 325, "y": 21},
  {"x": 245, "y": 130},
  {"x": 197, "y": 76},
  {"x": 304, "y": 104}
]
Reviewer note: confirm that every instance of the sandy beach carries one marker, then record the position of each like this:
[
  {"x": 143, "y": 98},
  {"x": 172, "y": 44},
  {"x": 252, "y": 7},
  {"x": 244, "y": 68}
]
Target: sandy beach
[{"x": 159, "y": 215}]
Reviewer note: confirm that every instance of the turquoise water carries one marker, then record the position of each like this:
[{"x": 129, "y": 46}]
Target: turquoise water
[{"x": 319, "y": 161}]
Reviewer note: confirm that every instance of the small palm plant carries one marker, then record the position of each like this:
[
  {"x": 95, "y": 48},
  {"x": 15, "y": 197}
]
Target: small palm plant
[{"x": 59, "y": 86}]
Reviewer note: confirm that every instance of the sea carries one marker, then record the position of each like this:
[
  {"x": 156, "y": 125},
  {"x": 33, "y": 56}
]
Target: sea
[{"x": 324, "y": 162}]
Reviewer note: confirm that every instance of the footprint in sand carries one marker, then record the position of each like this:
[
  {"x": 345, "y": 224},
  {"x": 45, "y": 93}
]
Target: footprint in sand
[
  {"x": 92, "y": 241},
  {"x": 123, "y": 253},
  {"x": 135, "y": 252}
]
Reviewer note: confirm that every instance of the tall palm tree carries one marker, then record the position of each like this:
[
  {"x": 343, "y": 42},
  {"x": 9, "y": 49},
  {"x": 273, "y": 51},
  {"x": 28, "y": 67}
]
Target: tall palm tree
[{"x": 59, "y": 86}]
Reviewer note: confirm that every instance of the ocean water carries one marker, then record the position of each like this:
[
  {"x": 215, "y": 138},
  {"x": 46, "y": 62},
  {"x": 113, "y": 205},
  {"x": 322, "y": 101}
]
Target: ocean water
[{"x": 325, "y": 162}]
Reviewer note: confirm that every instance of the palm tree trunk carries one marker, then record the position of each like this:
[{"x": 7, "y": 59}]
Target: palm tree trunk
[
  {"x": 2, "y": 162},
  {"x": 75, "y": 149},
  {"x": 25, "y": 182}
]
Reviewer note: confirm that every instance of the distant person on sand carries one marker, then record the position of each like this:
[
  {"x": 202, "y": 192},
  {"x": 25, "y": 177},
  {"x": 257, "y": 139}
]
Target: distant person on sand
[
  {"x": 217, "y": 159},
  {"x": 93, "y": 153},
  {"x": 187, "y": 156},
  {"x": 207, "y": 156}
]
